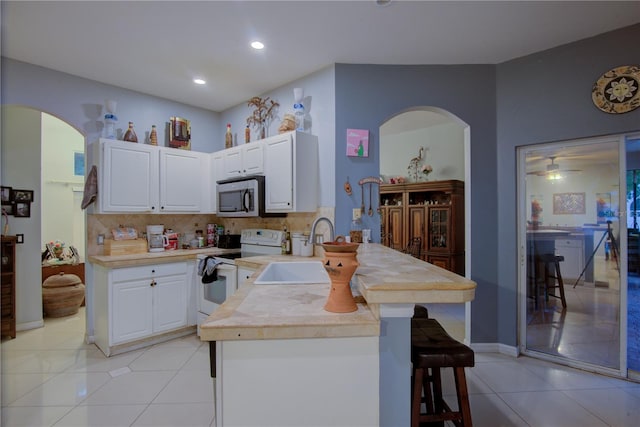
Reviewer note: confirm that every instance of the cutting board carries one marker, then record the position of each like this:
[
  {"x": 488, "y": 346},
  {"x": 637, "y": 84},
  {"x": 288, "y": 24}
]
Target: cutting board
[{"x": 125, "y": 247}]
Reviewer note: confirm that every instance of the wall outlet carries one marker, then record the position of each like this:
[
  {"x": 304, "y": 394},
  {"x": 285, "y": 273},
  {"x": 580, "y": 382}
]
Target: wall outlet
[
  {"x": 101, "y": 239},
  {"x": 357, "y": 214}
]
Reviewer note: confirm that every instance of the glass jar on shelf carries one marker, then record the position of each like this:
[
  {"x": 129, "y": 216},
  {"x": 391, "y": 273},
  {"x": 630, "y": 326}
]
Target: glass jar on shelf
[{"x": 355, "y": 232}]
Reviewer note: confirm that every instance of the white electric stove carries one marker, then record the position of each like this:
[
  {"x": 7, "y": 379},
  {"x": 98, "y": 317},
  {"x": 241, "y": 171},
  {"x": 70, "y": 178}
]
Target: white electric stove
[{"x": 258, "y": 241}]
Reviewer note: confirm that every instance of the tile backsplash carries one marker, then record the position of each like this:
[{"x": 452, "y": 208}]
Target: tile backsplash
[{"x": 187, "y": 224}]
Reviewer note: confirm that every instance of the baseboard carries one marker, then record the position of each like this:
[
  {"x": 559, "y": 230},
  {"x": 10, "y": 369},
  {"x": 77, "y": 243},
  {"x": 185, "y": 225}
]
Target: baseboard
[
  {"x": 496, "y": 347},
  {"x": 30, "y": 325}
]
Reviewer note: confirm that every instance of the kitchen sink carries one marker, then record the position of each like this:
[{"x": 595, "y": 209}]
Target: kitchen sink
[{"x": 293, "y": 273}]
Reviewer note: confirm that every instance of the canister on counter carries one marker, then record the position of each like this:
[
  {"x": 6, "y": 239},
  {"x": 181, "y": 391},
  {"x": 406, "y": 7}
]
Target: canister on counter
[
  {"x": 211, "y": 234},
  {"x": 296, "y": 242}
]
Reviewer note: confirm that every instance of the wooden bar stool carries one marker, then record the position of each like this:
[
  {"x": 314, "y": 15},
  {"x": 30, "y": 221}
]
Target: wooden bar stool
[
  {"x": 552, "y": 278},
  {"x": 432, "y": 349}
]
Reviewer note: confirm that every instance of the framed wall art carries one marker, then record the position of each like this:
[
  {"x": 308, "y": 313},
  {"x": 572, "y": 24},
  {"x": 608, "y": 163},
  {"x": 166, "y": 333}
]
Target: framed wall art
[
  {"x": 180, "y": 133},
  {"x": 357, "y": 143},
  {"x": 22, "y": 210},
  {"x": 7, "y": 209},
  {"x": 603, "y": 207},
  {"x": 569, "y": 204},
  {"x": 22, "y": 195},
  {"x": 5, "y": 192}
]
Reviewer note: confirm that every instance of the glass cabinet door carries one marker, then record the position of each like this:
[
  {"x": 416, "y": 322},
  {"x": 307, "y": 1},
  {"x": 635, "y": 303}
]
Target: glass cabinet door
[{"x": 439, "y": 228}]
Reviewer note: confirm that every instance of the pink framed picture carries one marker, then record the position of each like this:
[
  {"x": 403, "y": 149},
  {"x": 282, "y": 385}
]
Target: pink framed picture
[{"x": 357, "y": 143}]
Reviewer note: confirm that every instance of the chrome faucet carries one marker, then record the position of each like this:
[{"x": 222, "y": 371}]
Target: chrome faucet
[{"x": 313, "y": 229}]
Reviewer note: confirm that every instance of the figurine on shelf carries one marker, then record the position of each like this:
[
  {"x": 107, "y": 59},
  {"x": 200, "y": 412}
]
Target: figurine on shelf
[
  {"x": 153, "y": 136},
  {"x": 288, "y": 123},
  {"x": 110, "y": 119},
  {"x": 130, "y": 134}
]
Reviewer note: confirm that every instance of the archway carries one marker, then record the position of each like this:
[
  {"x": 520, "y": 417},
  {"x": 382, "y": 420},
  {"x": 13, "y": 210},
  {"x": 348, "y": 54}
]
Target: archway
[
  {"x": 35, "y": 144},
  {"x": 447, "y": 142}
]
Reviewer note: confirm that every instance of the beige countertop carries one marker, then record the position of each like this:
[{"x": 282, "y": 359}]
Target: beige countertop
[
  {"x": 147, "y": 258},
  {"x": 296, "y": 311},
  {"x": 388, "y": 276},
  {"x": 257, "y": 312}
]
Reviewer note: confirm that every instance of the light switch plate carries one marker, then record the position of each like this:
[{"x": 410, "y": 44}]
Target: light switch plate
[
  {"x": 357, "y": 214},
  {"x": 100, "y": 239}
]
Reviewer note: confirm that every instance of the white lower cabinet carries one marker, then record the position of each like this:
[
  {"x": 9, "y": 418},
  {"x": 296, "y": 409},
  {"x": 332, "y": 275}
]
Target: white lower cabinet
[
  {"x": 243, "y": 275},
  {"x": 573, "y": 252},
  {"x": 131, "y": 312},
  {"x": 134, "y": 305}
]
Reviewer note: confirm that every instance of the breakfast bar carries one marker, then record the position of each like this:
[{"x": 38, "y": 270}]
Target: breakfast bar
[{"x": 281, "y": 359}]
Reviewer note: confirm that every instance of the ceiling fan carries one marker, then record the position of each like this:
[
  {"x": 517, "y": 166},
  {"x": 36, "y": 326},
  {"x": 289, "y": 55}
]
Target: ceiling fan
[{"x": 552, "y": 169}]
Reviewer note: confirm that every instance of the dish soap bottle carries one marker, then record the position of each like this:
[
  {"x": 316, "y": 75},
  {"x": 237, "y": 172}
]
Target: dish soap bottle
[
  {"x": 130, "y": 134},
  {"x": 228, "y": 137}
]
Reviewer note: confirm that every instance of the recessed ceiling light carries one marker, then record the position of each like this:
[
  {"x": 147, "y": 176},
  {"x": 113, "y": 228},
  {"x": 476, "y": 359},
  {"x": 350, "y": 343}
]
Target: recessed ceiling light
[
  {"x": 199, "y": 81},
  {"x": 257, "y": 45}
]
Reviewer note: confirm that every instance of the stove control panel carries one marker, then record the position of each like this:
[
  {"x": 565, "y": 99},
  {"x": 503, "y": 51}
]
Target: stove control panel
[{"x": 261, "y": 237}]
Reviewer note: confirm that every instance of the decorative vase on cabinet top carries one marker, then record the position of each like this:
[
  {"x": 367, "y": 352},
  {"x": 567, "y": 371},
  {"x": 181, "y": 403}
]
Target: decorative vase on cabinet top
[{"x": 130, "y": 134}]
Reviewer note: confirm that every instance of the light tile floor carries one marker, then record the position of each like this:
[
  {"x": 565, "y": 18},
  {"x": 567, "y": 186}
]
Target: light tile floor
[
  {"x": 51, "y": 378},
  {"x": 588, "y": 330}
]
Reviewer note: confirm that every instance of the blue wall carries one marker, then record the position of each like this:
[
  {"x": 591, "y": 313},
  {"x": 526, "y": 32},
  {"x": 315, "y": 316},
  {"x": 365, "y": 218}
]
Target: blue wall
[
  {"x": 367, "y": 95},
  {"x": 546, "y": 97},
  {"x": 538, "y": 98}
]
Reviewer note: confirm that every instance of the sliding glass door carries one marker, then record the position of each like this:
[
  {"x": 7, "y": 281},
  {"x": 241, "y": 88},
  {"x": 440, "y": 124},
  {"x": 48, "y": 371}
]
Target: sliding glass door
[{"x": 571, "y": 237}]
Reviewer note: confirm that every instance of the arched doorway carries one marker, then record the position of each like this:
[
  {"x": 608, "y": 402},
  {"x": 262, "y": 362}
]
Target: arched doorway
[
  {"x": 41, "y": 152},
  {"x": 446, "y": 140}
]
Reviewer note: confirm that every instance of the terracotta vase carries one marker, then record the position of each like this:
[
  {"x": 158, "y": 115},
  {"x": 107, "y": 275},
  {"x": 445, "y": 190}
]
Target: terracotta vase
[{"x": 341, "y": 266}]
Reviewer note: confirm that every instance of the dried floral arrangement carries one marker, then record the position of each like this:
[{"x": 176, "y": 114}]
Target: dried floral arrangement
[
  {"x": 262, "y": 114},
  {"x": 417, "y": 170}
]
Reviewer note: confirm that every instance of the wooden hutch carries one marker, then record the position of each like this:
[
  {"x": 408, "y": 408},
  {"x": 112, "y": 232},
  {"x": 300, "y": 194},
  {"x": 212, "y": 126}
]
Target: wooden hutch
[
  {"x": 9, "y": 286},
  {"x": 433, "y": 211}
]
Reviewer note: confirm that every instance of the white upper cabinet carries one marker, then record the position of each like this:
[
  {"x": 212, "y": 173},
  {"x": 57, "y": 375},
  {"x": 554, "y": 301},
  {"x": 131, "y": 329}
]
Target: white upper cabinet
[
  {"x": 243, "y": 160},
  {"x": 291, "y": 173},
  {"x": 144, "y": 178},
  {"x": 181, "y": 179},
  {"x": 128, "y": 177}
]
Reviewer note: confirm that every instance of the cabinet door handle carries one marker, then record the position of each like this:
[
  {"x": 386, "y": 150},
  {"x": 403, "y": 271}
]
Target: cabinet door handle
[{"x": 153, "y": 283}]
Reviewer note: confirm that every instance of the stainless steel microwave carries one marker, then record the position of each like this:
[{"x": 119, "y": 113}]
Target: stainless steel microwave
[{"x": 241, "y": 197}]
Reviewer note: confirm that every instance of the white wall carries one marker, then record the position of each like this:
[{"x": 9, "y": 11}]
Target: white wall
[
  {"x": 62, "y": 217},
  {"x": 319, "y": 102},
  {"x": 444, "y": 151},
  {"x": 591, "y": 181},
  {"x": 21, "y": 146}
]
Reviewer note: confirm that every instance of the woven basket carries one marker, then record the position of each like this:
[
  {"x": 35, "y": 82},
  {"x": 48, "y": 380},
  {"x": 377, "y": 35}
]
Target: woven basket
[{"x": 62, "y": 295}]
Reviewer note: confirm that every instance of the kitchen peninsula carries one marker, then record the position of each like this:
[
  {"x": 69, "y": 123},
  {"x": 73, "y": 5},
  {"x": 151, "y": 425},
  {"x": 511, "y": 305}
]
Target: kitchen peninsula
[{"x": 280, "y": 359}]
